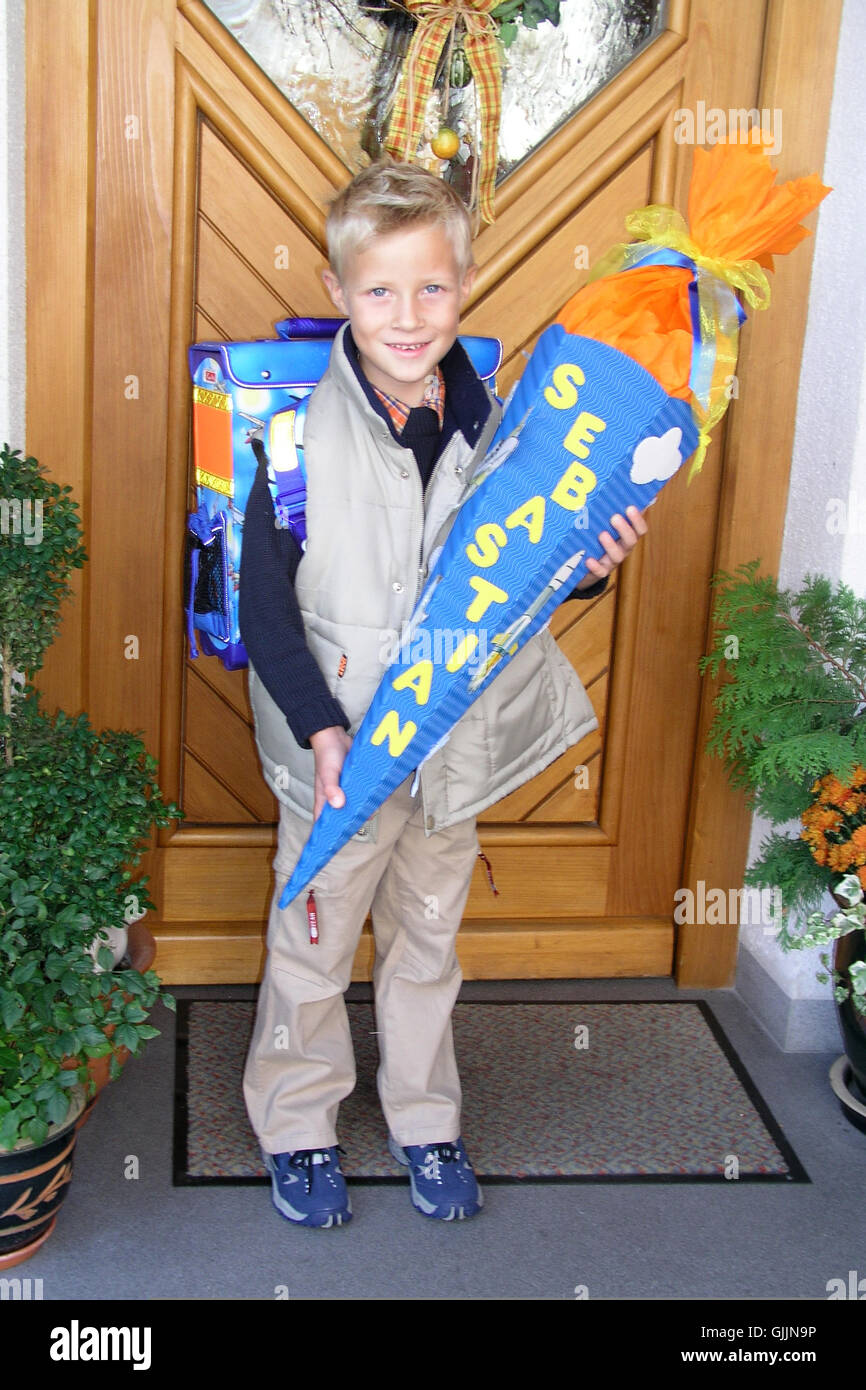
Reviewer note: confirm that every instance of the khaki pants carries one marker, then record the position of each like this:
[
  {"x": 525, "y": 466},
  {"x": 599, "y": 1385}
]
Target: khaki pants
[{"x": 300, "y": 1063}]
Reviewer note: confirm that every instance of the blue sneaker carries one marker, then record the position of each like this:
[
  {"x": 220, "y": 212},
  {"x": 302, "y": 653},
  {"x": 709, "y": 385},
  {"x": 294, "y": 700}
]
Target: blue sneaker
[
  {"x": 442, "y": 1179},
  {"x": 308, "y": 1186}
]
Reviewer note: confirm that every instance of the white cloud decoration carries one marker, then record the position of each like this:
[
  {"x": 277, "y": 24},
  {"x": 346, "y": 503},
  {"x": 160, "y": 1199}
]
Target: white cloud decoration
[{"x": 657, "y": 458}]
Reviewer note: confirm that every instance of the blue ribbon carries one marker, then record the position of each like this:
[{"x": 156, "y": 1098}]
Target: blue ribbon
[{"x": 703, "y": 350}]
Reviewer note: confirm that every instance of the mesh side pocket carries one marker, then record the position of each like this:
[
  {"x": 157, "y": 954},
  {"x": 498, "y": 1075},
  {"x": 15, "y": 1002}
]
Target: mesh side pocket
[
  {"x": 209, "y": 595},
  {"x": 206, "y": 581}
]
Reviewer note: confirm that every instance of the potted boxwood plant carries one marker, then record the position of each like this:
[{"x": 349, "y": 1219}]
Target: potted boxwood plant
[
  {"x": 789, "y": 725},
  {"x": 52, "y": 1004},
  {"x": 77, "y": 806}
]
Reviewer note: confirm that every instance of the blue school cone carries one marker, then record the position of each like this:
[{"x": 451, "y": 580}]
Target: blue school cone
[{"x": 586, "y": 433}]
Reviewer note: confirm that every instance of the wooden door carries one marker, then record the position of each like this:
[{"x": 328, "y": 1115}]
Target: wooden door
[{"x": 164, "y": 172}]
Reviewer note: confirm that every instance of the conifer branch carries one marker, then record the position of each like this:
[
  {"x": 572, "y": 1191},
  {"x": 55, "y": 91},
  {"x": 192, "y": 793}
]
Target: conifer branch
[{"x": 827, "y": 656}]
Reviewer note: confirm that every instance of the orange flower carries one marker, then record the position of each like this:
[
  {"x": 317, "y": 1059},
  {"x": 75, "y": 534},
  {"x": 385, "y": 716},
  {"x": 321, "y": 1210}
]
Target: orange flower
[
  {"x": 833, "y": 789},
  {"x": 858, "y": 839},
  {"x": 818, "y": 818}
]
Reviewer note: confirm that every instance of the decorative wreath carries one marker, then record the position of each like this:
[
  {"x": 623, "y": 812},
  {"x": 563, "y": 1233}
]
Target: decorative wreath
[{"x": 472, "y": 35}]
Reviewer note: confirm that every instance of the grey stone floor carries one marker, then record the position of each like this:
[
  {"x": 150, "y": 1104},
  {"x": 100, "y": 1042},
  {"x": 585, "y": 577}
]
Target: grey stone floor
[{"x": 145, "y": 1239}]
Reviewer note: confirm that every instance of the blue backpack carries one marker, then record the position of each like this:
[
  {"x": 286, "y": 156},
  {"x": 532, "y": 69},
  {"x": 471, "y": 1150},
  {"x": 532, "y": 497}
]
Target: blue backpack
[{"x": 249, "y": 401}]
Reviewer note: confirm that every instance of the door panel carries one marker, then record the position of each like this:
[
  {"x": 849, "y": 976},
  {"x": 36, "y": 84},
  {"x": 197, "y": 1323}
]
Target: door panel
[{"x": 203, "y": 218}]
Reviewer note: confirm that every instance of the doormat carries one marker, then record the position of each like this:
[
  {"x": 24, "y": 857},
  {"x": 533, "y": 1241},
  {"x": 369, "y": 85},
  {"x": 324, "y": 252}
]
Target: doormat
[{"x": 627, "y": 1091}]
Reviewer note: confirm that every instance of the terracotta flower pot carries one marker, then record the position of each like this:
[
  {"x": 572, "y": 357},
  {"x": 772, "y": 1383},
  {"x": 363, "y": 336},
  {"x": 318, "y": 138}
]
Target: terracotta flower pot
[
  {"x": 34, "y": 1179},
  {"x": 142, "y": 952},
  {"x": 98, "y": 1069}
]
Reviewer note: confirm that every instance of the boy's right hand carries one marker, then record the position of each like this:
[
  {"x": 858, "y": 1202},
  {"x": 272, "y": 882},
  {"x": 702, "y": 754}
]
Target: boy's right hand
[{"x": 330, "y": 747}]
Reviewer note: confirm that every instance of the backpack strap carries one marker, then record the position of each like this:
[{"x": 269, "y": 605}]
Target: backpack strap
[{"x": 286, "y": 471}]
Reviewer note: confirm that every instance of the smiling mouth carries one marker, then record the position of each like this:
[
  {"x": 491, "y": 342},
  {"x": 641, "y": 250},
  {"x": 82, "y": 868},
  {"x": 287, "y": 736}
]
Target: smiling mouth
[{"x": 407, "y": 347}]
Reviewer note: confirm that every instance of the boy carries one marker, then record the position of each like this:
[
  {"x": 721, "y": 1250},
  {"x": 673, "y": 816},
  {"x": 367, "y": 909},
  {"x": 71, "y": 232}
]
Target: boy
[{"x": 393, "y": 434}]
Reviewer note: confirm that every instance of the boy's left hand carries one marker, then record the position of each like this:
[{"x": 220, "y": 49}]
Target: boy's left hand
[{"x": 616, "y": 550}]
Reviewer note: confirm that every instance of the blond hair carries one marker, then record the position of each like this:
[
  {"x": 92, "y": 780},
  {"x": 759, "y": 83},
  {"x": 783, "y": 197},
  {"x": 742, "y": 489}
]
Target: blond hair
[{"x": 388, "y": 196}]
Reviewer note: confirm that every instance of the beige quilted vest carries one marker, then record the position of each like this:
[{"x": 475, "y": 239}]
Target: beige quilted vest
[{"x": 370, "y": 534}]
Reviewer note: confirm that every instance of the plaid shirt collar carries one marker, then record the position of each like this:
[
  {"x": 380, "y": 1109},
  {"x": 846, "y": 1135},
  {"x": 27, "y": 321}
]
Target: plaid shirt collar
[{"x": 434, "y": 397}]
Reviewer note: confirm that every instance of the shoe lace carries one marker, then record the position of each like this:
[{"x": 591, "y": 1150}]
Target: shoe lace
[
  {"x": 304, "y": 1159},
  {"x": 436, "y": 1154}
]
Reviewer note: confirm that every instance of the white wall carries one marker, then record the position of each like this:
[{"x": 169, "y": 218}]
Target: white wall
[
  {"x": 12, "y": 323},
  {"x": 829, "y": 458}
]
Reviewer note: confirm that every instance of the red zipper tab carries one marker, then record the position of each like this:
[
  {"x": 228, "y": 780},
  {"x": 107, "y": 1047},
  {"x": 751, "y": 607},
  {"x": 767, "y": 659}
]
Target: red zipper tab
[
  {"x": 312, "y": 918},
  {"x": 483, "y": 856}
]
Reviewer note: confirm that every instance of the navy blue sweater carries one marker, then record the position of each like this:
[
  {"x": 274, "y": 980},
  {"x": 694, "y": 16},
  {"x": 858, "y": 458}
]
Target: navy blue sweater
[{"x": 270, "y": 619}]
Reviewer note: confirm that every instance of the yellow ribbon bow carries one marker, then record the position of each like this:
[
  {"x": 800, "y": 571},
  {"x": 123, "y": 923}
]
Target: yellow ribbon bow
[
  {"x": 717, "y": 281},
  {"x": 436, "y": 21}
]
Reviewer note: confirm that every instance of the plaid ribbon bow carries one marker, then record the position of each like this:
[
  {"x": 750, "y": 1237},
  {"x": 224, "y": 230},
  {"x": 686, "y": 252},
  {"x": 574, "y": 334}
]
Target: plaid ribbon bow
[{"x": 436, "y": 20}]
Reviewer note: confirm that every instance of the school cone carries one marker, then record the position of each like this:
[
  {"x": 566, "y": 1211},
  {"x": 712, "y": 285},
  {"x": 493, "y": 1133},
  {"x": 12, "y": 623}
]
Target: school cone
[
  {"x": 617, "y": 395},
  {"x": 586, "y": 434}
]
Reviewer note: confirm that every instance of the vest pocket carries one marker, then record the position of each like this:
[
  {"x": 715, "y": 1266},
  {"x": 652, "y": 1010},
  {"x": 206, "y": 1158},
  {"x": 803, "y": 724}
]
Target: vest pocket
[
  {"x": 513, "y": 726},
  {"x": 331, "y": 660},
  {"x": 352, "y": 663}
]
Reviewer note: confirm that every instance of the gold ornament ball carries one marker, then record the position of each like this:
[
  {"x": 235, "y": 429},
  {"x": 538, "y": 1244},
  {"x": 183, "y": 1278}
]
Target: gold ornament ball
[{"x": 445, "y": 143}]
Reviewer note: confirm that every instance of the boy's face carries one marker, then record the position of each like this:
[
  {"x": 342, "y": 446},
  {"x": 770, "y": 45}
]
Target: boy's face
[{"x": 403, "y": 295}]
